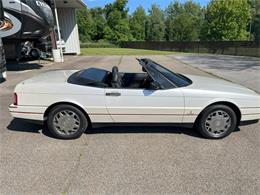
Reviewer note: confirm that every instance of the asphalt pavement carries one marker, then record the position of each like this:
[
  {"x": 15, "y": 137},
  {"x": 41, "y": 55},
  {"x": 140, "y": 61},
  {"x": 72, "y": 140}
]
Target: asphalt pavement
[
  {"x": 125, "y": 160},
  {"x": 239, "y": 69}
]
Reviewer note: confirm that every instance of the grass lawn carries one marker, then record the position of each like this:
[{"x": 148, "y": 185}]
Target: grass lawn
[{"x": 121, "y": 51}]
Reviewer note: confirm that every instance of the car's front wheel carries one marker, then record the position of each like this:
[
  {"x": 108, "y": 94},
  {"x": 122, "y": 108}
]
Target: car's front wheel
[
  {"x": 66, "y": 122},
  {"x": 216, "y": 122}
]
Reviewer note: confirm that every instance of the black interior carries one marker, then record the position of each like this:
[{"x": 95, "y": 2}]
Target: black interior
[
  {"x": 136, "y": 80},
  {"x": 102, "y": 78},
  {"x": 129, "y": 80},
  {"x": 154, "y": 77}
]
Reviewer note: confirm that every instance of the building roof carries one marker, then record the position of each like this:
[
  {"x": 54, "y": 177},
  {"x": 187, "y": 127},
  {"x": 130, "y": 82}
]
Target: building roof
[{"x": 70, "y": 4}]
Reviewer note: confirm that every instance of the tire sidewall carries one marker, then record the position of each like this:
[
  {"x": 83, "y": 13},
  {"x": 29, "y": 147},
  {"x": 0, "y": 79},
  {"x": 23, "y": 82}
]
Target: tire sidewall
[
  {"x": 59, "y": 108},
  {"x": 201, "y": 123},
  {"x": 36, "y": 52}
]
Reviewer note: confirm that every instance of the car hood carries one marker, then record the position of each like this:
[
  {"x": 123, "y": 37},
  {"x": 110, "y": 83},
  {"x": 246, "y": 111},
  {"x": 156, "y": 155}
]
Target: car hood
[
  {"x": 51, "y": 77},
  {"x": 218, "y": 85}
]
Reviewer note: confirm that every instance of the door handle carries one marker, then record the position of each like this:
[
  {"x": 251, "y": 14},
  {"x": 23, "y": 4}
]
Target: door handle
[{"x": 116, "y": 94}]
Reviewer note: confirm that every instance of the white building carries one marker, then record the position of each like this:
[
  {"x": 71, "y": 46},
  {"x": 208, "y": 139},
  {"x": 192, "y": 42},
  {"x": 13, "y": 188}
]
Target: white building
[{"x": 68, "y": 25}]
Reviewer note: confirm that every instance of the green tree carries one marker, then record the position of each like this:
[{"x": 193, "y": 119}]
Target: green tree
[
  {"x": 121, "y": 32},
  {"x": 183, "y": 21},
  {"x": 155, "y": 25},
  {"x": 254, "y": 25},
  {"x": 117, "y": 28},
  {"x": 98, "y": 25},
  {"x": 137, "y": 23},
  {"x": 226, "y": 20},
  {"x": 85, "y": 23}
]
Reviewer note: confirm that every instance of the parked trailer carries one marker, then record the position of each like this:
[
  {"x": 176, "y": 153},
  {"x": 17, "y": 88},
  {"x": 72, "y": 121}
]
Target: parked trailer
[
  {"x": 2, "y": 53},
  {"x": 25, "y": 20},
  {"x": 2, "y": 62}
]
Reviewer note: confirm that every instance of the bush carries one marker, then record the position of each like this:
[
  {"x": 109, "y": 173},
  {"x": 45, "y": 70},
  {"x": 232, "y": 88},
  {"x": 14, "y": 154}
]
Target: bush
[{"x": 100, "y": 44}]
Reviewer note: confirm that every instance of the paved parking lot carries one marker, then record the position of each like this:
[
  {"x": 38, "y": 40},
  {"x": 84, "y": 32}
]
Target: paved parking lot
[
  {"x": 239, "y": 69},
  {"x": 125, "y": 160}
]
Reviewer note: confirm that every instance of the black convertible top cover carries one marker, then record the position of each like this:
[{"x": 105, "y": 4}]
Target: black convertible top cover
[{"x": 90, "y": 77}]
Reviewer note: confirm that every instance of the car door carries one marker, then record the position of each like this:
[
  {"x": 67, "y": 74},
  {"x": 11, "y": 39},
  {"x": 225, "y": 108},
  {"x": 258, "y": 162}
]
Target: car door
[{"x": 145, "y": 105}]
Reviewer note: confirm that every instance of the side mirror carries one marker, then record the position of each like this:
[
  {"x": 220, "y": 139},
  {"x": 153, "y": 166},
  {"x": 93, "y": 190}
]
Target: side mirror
[{"x": 155, "y": 85}]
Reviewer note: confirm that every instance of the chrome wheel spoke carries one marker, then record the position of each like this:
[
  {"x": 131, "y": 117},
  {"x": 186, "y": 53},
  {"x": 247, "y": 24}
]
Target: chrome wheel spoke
[
  {"x": 66, "y": 122},
  {"x": 218, "y": 122}
]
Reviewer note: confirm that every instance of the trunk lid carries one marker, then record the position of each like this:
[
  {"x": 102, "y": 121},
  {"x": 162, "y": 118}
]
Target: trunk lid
[{"x": 51, "y": 77}]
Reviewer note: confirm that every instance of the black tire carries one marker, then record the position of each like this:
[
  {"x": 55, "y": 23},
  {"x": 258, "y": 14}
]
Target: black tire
[
  {"x": 79, "y": 115},
  {"x": 35, "y": 54},
  {"x": 208, "y": 133}
]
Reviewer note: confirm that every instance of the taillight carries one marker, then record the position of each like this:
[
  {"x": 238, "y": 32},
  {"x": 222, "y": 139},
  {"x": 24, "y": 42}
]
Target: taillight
[{"x": 15, "y": 99}]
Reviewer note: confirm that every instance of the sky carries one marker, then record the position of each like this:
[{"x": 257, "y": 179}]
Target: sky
[{"x": 132, "y": 4}]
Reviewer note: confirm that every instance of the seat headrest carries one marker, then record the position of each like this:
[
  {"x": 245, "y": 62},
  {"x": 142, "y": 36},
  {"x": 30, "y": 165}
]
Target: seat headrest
[
  {"x": 114, "y": 74},
  {"x": 115, "y": 69}
]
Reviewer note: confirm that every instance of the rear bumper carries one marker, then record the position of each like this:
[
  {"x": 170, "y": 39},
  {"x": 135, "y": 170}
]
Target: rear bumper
[{"x": 27, "y": 112}]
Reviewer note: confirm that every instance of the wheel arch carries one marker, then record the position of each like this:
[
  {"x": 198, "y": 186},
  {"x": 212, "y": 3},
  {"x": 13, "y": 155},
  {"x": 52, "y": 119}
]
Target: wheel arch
[
  {"x": 233, "y": 106},
  {"x": 47, "y": 111}
]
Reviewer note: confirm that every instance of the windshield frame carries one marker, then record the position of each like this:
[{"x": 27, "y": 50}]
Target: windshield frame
[{"x": 151, "y": 66}]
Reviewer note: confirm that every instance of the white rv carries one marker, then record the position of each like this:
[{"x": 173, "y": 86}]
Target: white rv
[{"x": 25, "y": 20}]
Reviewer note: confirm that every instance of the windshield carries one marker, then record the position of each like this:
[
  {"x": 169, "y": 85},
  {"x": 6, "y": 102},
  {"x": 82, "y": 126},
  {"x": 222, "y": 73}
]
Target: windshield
[
  {"x": 176, "y": 79},
  {"x": 164, "y": 83}
]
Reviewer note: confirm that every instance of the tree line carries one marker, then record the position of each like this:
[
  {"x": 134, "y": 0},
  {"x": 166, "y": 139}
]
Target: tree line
[{"x": 225, "y": 20}]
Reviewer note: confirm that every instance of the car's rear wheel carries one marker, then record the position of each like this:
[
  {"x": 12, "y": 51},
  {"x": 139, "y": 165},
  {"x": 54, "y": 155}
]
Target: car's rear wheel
[
  {"x": 216, "y": 122},
  {"x": 66, "y": 122}
]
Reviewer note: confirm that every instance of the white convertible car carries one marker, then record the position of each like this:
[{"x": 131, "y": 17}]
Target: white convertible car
[{"x": 70, "y": 101}]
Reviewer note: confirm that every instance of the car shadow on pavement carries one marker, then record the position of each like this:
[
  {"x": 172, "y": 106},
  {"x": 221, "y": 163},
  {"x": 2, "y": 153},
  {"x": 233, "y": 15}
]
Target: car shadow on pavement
[
  {"x": 147, "y": 129},
  {"x": 24, "y": 126},
  {"x": 144, "y": 129},
  {"x": 21, "y": 125}
]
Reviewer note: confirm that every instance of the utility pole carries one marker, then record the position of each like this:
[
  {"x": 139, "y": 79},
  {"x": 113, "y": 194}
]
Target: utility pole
[{"x": 58, "y": 28}]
